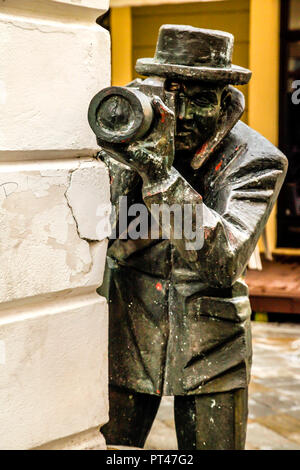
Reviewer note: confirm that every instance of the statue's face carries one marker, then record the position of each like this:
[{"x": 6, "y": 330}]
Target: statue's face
[{"x": 198, "y": 108}]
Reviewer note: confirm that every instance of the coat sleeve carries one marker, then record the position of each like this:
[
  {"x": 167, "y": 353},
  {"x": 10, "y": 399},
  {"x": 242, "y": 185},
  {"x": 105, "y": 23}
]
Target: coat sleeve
[
  {"x": 240, "y": 201},
  {"x": 123, "y": 182}
]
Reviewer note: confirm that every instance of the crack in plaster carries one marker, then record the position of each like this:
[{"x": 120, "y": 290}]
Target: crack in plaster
[
  {"x": 70, "y": 173},
  {"x": 41, "y": 26},
  {"x": 70, "y": 176}
]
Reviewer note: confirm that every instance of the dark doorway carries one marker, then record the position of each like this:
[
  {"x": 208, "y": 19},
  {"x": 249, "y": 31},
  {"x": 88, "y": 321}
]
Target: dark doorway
[{"x": 288, "y": 218}]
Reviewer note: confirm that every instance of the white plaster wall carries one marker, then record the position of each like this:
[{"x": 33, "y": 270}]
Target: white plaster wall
[
  {"x": 87, "y": 3},
  {"x": 54, "y": 207},
  {"x": 51, "y": 384},
  {"x": 46, "y": 247},
  {"x": 49, "y": 71}
]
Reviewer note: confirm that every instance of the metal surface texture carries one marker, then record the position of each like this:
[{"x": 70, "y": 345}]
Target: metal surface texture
[
  {"x": 119, "y": 114},
  {"x": 180, "y": 318}
]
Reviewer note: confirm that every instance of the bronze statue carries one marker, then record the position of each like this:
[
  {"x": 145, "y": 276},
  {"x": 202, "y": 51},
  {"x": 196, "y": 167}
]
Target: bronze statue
[{"x": 180, "y": 318}]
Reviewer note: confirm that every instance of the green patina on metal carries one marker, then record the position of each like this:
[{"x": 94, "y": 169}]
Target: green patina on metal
[{"x": 180, "y": 319}]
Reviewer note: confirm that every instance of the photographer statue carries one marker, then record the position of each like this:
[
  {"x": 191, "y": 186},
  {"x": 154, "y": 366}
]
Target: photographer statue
[{"x": 179, "y": 312}]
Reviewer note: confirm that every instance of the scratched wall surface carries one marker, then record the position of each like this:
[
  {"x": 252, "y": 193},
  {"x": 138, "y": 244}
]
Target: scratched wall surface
[{"x": 54, "y": 204}]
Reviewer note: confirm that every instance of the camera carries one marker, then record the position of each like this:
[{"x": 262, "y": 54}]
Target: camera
[{"x": 120, "y": 115}]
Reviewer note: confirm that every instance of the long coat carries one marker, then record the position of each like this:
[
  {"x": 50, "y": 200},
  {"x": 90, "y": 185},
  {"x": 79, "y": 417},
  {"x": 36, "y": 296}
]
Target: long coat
[{"x": 180, "y": 321}]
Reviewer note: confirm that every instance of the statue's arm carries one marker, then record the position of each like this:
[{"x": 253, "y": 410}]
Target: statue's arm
[
  {"x": 246, "y": 196},
  {"x": 123, "y": 181}
]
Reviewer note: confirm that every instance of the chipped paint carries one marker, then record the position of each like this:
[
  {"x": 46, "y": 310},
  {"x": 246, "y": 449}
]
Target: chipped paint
[
  {"x": 38, "y": 228},
  {"x": 159, "y": 286},
  {"x": 86, "y": 199},
  {"x": 219, "y": 165}
]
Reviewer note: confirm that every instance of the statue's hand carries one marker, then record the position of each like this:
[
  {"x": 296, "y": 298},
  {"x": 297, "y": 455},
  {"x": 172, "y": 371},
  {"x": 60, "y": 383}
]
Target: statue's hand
[{"x": 152, "y": 157}]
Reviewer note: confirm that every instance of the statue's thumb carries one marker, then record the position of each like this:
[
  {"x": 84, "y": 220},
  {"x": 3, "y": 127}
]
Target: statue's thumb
[{"x": 161, "y": 109}]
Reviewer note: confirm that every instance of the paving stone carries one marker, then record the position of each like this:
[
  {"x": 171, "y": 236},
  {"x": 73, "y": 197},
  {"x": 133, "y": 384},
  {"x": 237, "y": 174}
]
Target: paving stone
[
  {"x": 276, "y": 401},
  {"x": 256, "y": 387},
  {"x": 283, "y": 424},
  {"x": 262, "y": 438},
  {"x": 295, "y": 412},
  {"x": 257, "y": 409},
  {"x": 280, "y": 382}
]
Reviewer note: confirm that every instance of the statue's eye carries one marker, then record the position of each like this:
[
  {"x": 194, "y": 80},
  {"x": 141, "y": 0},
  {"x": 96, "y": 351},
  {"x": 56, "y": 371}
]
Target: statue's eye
[
  {"x": 205, "y": 99},
  {"x": 201, "y": 101},
  {"x": 172, "y": 86}
]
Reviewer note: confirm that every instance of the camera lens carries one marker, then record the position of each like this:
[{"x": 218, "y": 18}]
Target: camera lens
[
  {"x": 115, "y": 114},
  {"x": 120, "y": 114}
]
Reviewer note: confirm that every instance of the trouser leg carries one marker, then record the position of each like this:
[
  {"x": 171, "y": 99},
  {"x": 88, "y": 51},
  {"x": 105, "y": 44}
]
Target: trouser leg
[
  {"x": 213, "y": 422},
  {"x": 130, "y": 417}
]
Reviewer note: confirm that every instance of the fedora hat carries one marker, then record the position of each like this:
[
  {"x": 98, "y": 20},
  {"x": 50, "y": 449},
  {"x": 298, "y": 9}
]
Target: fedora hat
[{"x": 194, "y": 54}]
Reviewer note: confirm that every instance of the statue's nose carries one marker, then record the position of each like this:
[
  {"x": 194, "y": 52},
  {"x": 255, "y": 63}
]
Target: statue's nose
[{"x": 184, "y": 109}]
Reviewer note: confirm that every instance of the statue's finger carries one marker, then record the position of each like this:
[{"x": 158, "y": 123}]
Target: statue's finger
[{"x": 161, "y": 109}]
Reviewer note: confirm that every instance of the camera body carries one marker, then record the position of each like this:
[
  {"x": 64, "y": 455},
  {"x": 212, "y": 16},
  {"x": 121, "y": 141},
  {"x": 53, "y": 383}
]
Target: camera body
[{"x": 120, "y": 115}]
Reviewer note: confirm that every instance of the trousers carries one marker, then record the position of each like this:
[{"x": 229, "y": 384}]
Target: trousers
[{"x": 203, "y": 422}]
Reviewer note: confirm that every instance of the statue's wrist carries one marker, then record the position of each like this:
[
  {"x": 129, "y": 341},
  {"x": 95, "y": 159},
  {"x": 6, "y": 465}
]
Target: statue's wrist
[
  {"x": 159, "y": 184},
  {"x": 155, "y": 176}
]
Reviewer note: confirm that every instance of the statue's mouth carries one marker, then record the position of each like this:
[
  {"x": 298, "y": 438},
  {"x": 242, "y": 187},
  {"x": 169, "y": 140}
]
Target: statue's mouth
[
  {"x": 186, "y": 129},
  {"x": 184, "y": 133}
]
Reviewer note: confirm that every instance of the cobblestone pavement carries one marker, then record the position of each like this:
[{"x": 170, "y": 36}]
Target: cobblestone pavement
[{"x": 274, "y": 402}]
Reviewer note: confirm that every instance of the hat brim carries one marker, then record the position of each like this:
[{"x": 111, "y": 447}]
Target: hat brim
[{"x": 233, "y": 75}]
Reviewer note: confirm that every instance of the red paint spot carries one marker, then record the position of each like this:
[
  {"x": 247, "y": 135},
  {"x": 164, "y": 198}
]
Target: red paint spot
[
  {"x": 236, "y": 148},
  {"x": 219, "y": 165},
  {"x": 163, "y": 114},
  {"x": 159, "y": 286},
  {"x": 202, "y": 150},
  {"x": 206, "y": 233},
  {"x": 158, "y": 391},
  {"x": 231, "y": 237}
]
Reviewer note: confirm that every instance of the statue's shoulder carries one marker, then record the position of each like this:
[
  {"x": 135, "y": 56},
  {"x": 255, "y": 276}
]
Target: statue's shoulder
[
  {"x": 243, "y": 152},
  {"x": 255, "y": 144}
]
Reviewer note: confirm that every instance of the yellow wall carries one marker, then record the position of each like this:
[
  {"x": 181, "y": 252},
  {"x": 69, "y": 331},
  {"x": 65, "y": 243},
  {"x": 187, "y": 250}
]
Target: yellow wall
[
  {"x": 264, "y": 62},
  {"x": 120, "y": 25}
]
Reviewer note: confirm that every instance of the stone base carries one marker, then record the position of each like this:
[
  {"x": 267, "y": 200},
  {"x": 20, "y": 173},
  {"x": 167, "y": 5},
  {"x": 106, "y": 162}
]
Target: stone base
[{"x": 88, "y": 440}]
